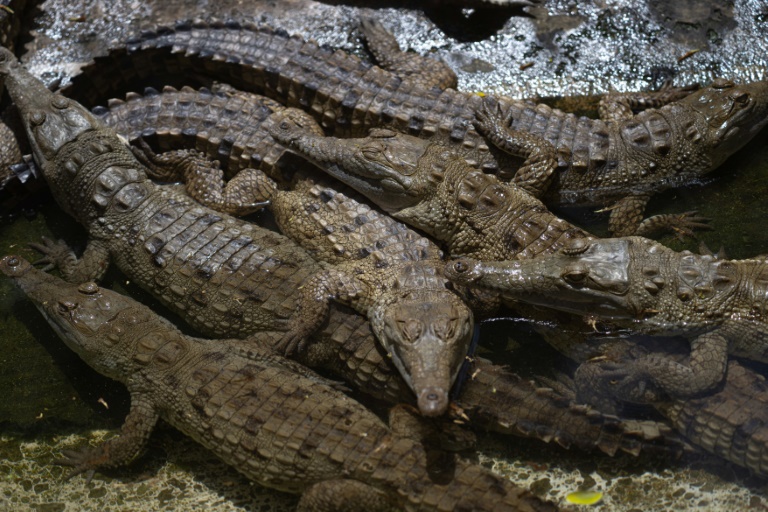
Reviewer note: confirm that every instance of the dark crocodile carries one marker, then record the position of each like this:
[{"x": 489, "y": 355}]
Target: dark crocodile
[
  {"x": 273, "y": 420},
  {"x": 641, "y": 285},
  {"x": 731, "y": 421},
  {"x": 622, "y": 161},
  {"x": 63, "y": 134}
]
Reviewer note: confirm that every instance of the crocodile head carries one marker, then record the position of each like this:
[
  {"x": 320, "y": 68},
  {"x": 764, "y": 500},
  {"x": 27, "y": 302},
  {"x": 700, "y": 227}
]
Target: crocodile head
[
  {"x": 587, "y": 277},
  {"x": 52, "y": 122},
  {"x": 82, "y": 315},
  {"x": 427, "y": 334},
  {"x": 382, "y": 166},
  {"x": 50, "y": 119},
  {"x": 733, "y": 115}
]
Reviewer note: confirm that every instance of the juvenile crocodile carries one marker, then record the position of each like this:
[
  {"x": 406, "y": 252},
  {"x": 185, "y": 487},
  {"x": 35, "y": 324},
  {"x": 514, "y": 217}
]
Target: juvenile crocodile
[
  {"x": 641, "y": 285},
  {"x": 430, "y": 186},
  {"x": 731, "y": 421},
  {"x": 381, "y": 268},
  {"x": 265, "y": 291},
  {"x": 622, "y": 160},
  {"x": 277, "y": 423}
]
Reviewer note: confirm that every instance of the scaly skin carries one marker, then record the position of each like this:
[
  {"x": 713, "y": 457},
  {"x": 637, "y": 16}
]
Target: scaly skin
[
  {"x": 621, "y": 160},
  {"x": 381, "y": 268},
  {"x": 274, "y": 421},
  {"x": 641, "y": 285},
  {"x": 345, "y": 346},
  {"x": 431, "y": 187}
]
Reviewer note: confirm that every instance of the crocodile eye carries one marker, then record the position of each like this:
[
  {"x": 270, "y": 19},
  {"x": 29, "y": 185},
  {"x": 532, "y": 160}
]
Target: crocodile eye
[
  {"x": 88, "y": 288},
  {"x": 722, "y": 83},
  {"x": 460, "y": 267},
  {"x": 371, "y": 153},
  {"x": 576, "y": 246},
  {"x": 444, "y": 329},
  {"x": 576, "y": 275},
  {"x": 66, "y": 306},
  {"x": 411, "y": 329},
  {"x": 742, "y": 99}
]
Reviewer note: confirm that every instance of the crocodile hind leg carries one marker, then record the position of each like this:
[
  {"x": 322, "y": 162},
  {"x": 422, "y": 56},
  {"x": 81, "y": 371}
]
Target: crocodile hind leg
[
  {"x": 422, "y": 71},
  {"x": 344, "y": 496},
  {"x": 627, "y": 219},
  {"x": 248, "y": 191},
  {"x": 536, "y": 173},
  {"x": 635, "y": 379}
]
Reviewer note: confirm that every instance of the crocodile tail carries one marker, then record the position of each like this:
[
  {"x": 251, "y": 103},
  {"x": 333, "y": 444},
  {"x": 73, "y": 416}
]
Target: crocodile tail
[
  {"x": 345, "y": 94},
  {"x": 438, "y": 480}
]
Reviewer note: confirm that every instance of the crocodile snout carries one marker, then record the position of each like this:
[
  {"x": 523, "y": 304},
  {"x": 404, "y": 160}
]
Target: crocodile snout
[{"x": 433, "y": 401}]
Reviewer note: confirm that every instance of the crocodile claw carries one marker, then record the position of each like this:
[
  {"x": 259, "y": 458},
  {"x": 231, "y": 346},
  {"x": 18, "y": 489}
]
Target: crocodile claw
[
  {"x": 684, "y": 224},
  {"x": 293, "y": 341},
  {"x": 54, "y": 253},
  {"x": 604, "y": 382},
  {"x": 81, "y": 461},
  {"x": 489, "y": 119}
]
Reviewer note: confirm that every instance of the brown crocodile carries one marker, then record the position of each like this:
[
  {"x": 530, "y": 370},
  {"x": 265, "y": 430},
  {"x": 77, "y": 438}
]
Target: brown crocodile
[
  {"x": 248, "y": 293},
  {"x": 430, "y": 186},
  {"x": 273, "y": 420},
  {"x": 381, "y": 268},
  {"x": 644, "y": 286},
  {"x": 621, "y": 160}
]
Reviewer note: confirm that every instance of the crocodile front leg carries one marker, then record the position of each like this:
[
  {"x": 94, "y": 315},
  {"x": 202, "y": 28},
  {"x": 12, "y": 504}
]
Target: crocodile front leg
[
  {"x": 91, "y": 266},
  {"x": 537, "y": 171},
  {"x": 248, "y": 191},
  {"x": 120, "y": 450},
  {"x": 314, "y": 304},
  {"x": 635, "y": 379},
  {"x": 627, "y": 219}
]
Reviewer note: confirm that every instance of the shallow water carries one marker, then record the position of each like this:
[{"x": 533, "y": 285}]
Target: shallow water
[{"x": 54, "y": 401}]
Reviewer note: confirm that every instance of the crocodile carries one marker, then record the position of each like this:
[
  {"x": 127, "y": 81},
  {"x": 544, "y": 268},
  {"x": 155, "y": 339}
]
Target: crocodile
[
  {"x": 276, "y": 422},
  {"x": 344, "y": 347},
  {"x": 431, "y": 187},
  {"x": 621, "y": 160},
  {"x": 380, "y": 267},
  {"x": 730, "y": 421},
  {"x": 641, "y": 285}
]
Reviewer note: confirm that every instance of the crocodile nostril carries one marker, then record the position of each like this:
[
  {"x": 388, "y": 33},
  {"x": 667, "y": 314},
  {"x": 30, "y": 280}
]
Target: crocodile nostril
[{"x": 433, "y": 401}]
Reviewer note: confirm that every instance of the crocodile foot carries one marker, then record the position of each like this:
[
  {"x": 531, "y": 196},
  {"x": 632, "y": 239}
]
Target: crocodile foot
[
  {"x": 55, "y": 254},
  {"x": 292, "y": 342},
  {"x": 604, "y": 384},
  {"x": 86, "y": 460},
  {"x": 681, "y": 224}
]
